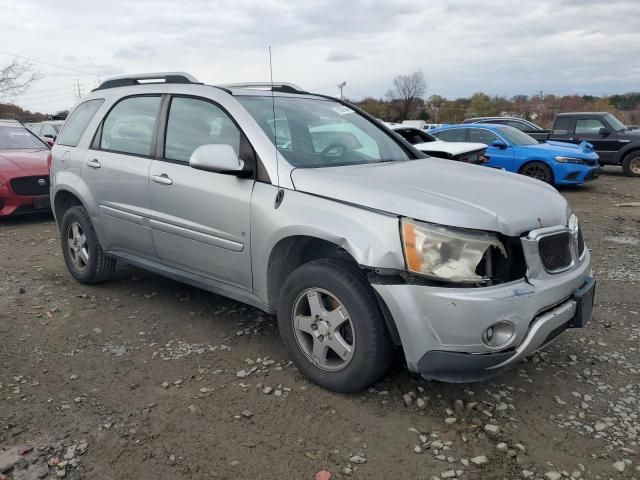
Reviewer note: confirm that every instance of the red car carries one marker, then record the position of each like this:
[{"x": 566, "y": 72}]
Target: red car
[{"x": 24, "y": 170}]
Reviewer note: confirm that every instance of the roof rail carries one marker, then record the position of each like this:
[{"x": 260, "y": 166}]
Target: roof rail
[
  {"x": 142, "y": 78},
  {"x": 275, "y": 86}
]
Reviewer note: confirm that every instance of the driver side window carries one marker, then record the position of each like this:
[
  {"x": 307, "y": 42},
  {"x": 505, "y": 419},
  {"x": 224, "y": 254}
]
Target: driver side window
[
  {"x": 193, "y": 123},
  {"x": 479, "y": 135}
]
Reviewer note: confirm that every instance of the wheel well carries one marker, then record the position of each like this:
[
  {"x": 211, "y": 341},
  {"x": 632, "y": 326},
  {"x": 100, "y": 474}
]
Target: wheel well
[
  {"x": 633, "y": 151},
  {"x": 292, "y": 252},
  {"x": 62, "y": 202}
]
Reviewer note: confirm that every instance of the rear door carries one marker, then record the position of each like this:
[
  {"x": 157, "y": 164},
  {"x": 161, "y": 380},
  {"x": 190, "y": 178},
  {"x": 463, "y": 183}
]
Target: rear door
[
  {"x": 116, "y": 169},
  {"x": 498, "y": 157},
  {"x": 201, "y": 220}
]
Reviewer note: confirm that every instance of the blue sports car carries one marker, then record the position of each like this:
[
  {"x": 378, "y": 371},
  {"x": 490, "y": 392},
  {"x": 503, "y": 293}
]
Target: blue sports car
[{"x": 557, "y": 163}]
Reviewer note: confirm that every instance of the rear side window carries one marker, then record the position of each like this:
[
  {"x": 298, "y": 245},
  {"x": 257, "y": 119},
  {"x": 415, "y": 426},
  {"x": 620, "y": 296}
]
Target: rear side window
[
  {"x": 193, "y": 123},
  {"x": 129, "y": 126},
  {"x": 453, "y": 135},
  {"x": 77, "y": 122},
  {"x": 562, "y": 126}
]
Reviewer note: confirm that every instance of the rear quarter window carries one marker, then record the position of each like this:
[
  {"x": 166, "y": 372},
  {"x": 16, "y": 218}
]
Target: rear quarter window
[{"x": 77, "y": 122}]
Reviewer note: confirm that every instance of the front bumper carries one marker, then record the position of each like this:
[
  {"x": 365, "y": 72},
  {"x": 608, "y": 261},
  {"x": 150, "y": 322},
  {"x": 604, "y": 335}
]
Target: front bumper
[
  {"x": 12, "y": 204},
  {"x": 573, "y": 174},
  {"x": 441, "y": 329}
]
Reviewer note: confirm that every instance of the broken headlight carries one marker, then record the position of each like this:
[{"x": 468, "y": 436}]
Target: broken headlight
[{"x": 447, "y": 254}]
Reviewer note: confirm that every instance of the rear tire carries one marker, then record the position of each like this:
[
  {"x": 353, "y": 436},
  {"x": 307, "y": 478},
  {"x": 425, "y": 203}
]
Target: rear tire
[
  {"x": 538, "y": 170},
  {"x": 631, "y": 164},
  {"x": 332, "y": 326},
  {"x": 81, "y": 249}
]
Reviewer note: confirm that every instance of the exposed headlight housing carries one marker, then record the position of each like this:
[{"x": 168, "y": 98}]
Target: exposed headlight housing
[
  {"x": 561, "y": 159},
  {"x": 446, "y": 254}
]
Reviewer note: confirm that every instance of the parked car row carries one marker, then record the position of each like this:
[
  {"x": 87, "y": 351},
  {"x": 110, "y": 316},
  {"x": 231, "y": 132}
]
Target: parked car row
[
  {"x": 556, "y": 163},
  {"x": 614, "y": 142}
]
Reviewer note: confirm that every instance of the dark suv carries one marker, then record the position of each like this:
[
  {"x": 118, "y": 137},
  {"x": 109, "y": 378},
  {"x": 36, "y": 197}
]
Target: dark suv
[{"x": 614, "y": 142}]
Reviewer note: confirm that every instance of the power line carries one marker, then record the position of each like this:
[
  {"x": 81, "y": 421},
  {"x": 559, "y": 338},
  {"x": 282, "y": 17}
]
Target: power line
[{"x": 49, "y": 64}]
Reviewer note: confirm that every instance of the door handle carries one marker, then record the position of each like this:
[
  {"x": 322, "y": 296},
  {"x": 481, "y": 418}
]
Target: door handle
[
  {"x": 162, "y": 179},
  {"x": 95, "y": 163}
]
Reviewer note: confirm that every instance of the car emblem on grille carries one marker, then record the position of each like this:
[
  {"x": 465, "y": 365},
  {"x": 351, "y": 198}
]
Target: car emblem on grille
[{"x": 42, "y": 182}]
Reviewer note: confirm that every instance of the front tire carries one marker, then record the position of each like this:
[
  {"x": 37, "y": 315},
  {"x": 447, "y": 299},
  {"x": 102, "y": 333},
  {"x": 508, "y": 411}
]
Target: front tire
[
  {"x": 631, "y": 165},
  {"x": 538, "y": 170},
  {"x": 332, "y": 327},
  {"x": 81, "y": 249}
]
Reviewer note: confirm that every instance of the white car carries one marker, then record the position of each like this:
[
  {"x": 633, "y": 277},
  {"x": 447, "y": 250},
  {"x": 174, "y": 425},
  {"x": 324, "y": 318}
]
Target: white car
[{"x": 459, "y": 151}]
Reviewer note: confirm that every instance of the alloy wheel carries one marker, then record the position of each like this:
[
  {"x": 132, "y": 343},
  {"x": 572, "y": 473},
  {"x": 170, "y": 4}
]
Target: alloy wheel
[
  {"x": 77, "y": 246},
  {"x": 536, "y": 171},
  {"x": 323, "y": 329},
  {"x": 634, "y": 166}
]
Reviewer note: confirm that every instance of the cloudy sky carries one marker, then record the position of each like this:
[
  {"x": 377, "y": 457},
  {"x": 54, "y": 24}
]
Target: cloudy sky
[{"x": 462, "y": 46}]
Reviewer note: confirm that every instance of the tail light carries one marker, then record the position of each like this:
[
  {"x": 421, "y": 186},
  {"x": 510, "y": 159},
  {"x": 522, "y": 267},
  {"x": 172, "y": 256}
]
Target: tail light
[{"x": 49, "y": 161}]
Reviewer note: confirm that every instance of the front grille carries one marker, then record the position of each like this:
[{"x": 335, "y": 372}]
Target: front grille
[
  {"x": 31, "y": 185},
  {"x": 555, "y": 251},
  {"x": 580, "y": 243}
]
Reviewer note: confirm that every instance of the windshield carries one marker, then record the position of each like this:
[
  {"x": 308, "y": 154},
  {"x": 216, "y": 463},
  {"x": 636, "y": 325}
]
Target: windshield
[
  {"x": 617, "y": 125},
  {"x": 516, "y": 137},
  {"x": 17, "y": 138},
  {"x": 314, "y": 132}
]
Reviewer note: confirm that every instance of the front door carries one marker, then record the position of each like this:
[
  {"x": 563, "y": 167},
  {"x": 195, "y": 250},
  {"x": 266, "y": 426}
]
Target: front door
[
  {"x": 498, "y": 157},
  {"x": 589, "y": 129},
  {"x": 201, "y": 220},
  {"x": 116, "y": 169}
]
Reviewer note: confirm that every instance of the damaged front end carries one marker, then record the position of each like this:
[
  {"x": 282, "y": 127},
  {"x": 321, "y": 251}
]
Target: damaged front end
[{"x": 458, "y": 256}]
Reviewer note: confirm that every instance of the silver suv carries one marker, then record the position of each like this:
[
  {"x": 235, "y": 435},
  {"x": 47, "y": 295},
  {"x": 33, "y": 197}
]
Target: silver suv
[{"x": 307, "y": 207}]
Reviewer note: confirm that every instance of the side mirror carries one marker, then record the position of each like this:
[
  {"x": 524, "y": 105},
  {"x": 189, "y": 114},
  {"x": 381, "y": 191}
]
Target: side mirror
[
  {"x": 499, "y": 144},
  {"x": 604, "y": 132},
  {"x": 217, "y": 158}
]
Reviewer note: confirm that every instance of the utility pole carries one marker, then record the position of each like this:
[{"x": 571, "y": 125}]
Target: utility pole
[
  {"x": 78, "y": 89},
  {"x": 341, "y": 86}
]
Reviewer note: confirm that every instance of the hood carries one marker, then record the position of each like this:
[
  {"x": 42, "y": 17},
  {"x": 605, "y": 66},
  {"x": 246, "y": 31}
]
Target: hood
[
  {"x": 443, "y": 192},
  {"x": 454, "y": 148},
  {"x": 551, "y": 148},
  {"x": 11, "y": 160}
]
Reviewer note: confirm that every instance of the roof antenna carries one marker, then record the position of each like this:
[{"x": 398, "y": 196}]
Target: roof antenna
[{"x": 280, "y": 194}]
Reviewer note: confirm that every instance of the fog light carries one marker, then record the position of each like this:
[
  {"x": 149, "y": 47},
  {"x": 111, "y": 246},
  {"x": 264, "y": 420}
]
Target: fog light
[{"x": 498, "y": 334}]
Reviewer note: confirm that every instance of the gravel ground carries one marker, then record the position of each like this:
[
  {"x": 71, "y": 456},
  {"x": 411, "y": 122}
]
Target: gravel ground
[{"x": 145, "y": 378}]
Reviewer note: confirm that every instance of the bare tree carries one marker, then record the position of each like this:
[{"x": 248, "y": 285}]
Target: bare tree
[
  {"x": 17, "y": 77},
  {"x": 407, "y": 92}
]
